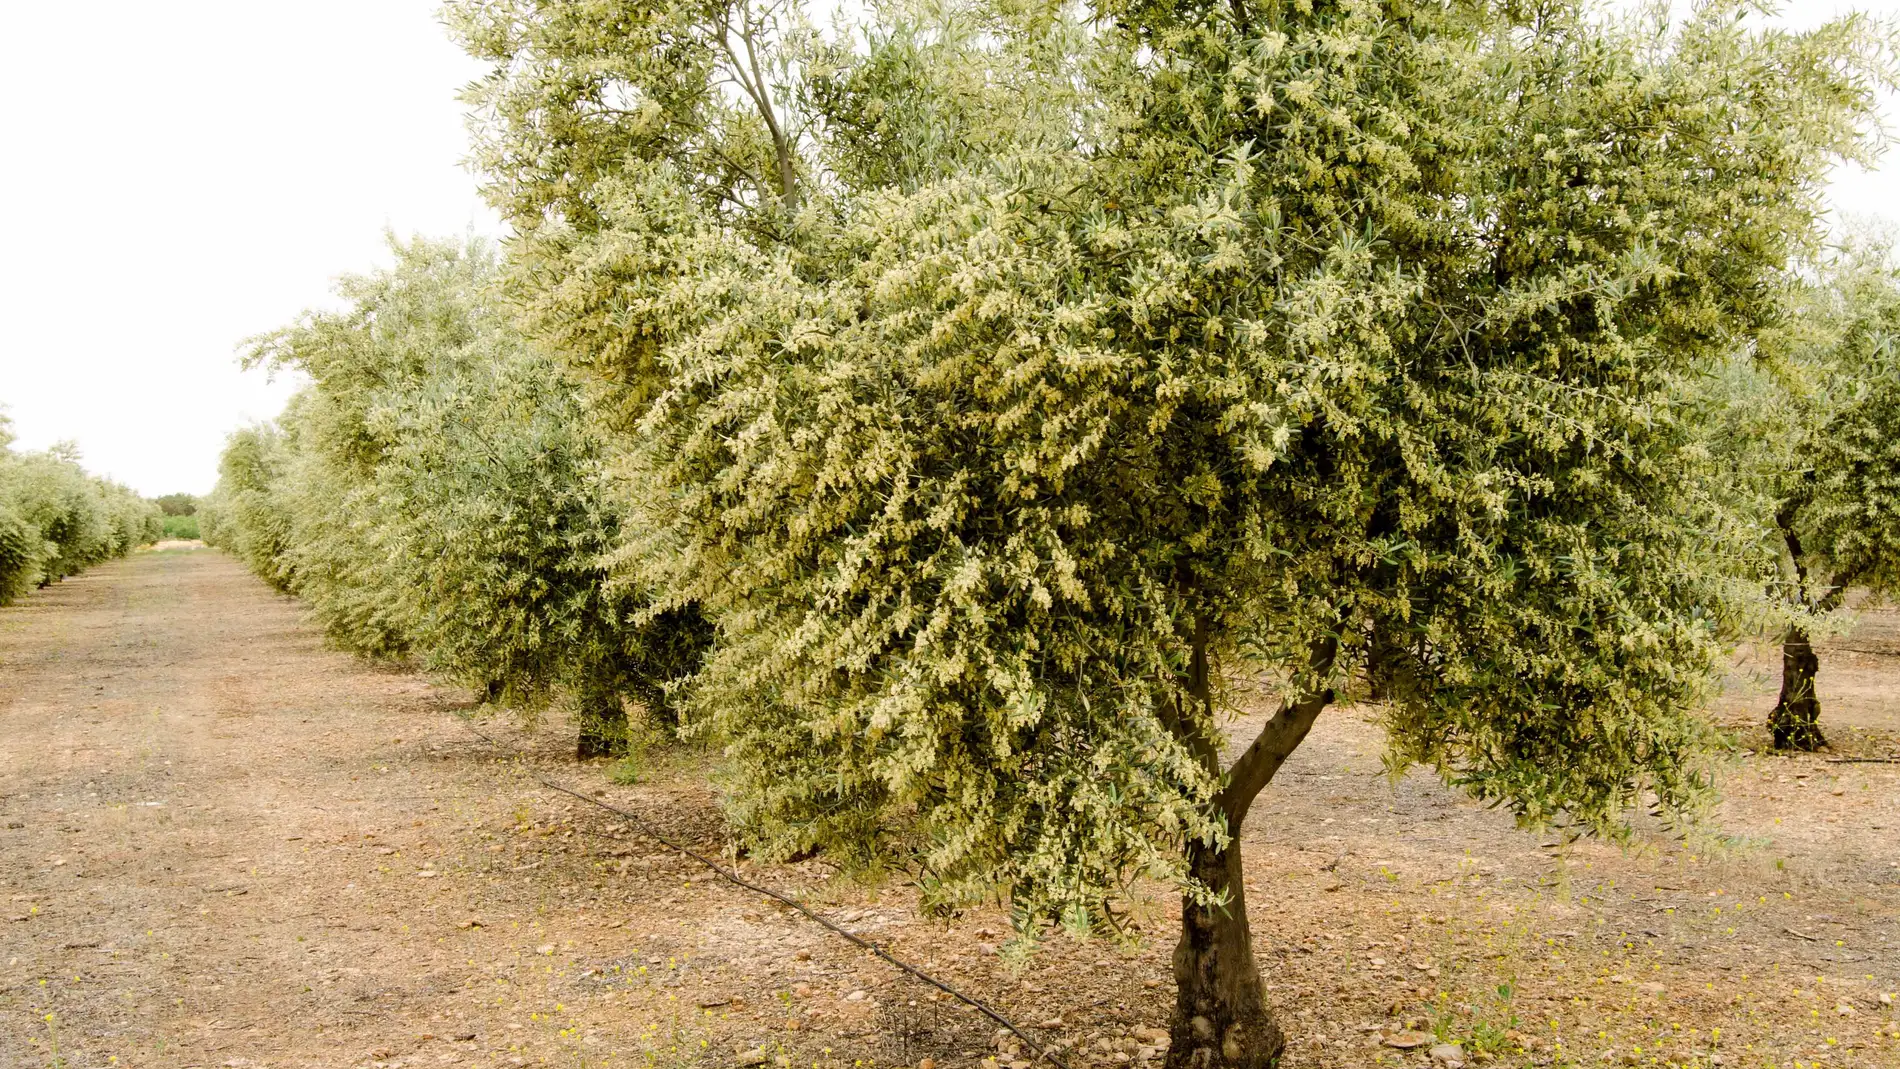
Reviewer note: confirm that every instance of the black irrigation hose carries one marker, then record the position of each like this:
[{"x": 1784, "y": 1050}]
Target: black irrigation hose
[{"x": 739, "y": 881}]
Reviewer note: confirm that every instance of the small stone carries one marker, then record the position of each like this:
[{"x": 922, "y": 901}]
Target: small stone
[
  {"x": 1843, "y": 1009},
  {"x": 801, "y": 990},
  {"x": 927, "y": 1063},
  {"x": 803, "y": 955},
  {"x": 1653, "y": 989},
  {"x": 754, "y": 1056},
  {"x": 1449, "y": 1055},
  {"x": 545, "y": 949},
  {"x": 1407, "y": 1040},
  {"x": 856, "y": 996},
  {"x": 1886, "y": 998}
]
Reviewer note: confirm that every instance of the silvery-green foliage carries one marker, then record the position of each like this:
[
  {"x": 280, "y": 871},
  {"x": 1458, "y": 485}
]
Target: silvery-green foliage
[
  {"x": 435, "y": 493},
  {"x": 243, "y": 515},
  {"x": 1835, "y": 384},
  {"x": 1313, "y": 338}
]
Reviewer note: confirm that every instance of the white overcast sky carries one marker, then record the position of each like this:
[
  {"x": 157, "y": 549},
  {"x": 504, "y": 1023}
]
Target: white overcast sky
[{"x": 179, "y": 176}]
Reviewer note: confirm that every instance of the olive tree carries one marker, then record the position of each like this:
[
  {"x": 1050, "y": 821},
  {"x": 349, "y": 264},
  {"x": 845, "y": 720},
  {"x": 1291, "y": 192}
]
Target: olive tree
[
  {"x": 434, "y": 494},
  {"x": 1320, "y": 338},
  {"x": 1813, "y": 424},
  {"x": 242, "y": 515}
]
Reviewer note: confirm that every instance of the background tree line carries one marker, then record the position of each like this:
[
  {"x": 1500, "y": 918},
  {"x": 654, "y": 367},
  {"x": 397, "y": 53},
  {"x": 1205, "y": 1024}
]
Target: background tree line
[
  {"x": 939, "y": 414},
  {"x": 435, "y": 492},
  {"x": 56, "y": 520}
]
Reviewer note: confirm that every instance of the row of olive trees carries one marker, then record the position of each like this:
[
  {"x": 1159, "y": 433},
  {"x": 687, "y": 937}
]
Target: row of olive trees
[
  {"x": 995, "y": 379},
  {"x": 433, "y": 492},
  {"x": 56, "y": 520}
]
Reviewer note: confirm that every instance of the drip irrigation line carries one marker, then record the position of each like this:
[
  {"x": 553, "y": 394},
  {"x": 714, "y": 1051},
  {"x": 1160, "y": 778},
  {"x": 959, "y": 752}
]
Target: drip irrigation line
[{"x": 731, "y": 877}]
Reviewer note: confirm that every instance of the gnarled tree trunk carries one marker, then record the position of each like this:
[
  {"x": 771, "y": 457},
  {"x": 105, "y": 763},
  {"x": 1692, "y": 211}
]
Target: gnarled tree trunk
[
  {"x": 1220, "y": 1012},
  {"x": 1796, "y": 720},
  {"x": 1221, "y": 1020}
]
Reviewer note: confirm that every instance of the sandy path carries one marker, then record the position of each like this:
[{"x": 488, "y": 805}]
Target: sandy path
[
  {"x": 183, "y": 766},
  {"x": 222, "y": 844}
]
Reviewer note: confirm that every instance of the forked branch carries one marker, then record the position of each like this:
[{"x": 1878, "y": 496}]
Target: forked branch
[{"x": 1276, "y": 742}]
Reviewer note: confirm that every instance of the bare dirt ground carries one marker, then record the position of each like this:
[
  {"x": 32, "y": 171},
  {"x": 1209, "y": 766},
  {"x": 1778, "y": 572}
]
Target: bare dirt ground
[{"x": 222, "y": 844}]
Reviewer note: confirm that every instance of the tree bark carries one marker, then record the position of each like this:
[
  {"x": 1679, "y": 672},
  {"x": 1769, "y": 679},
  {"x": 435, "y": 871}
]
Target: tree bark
[
  {"x": 1221, "y": 1020},
  {"x": 1220, "y": 1013},
  {"x": 1796, "y": 720}
]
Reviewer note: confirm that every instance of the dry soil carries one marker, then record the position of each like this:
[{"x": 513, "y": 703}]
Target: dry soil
[{"x": 224, "y": 844}]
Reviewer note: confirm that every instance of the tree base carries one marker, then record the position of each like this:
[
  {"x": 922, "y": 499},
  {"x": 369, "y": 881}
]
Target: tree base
[
  {"x": 601, "y": 735},
  {"x": 1796, "y": 721},
  {"x": 1220, "y": 1014},
  {"x": 1252, "y": 1041},
  {"x": 1795, "y": 727}
]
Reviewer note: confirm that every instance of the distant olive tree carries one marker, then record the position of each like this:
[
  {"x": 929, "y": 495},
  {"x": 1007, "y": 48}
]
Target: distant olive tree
[
  {"x": 1812, "y": 423},
  {"x": 434, "y": 493},
  {"x": 242, "y": 515},
  {"x": 998, "y": 388},
  {"x": 177, "y": 504}
]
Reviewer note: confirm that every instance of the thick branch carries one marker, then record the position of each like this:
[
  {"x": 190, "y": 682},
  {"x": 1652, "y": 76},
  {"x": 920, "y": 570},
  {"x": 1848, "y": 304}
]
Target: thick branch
[
  {"x": 1795, "y": 566},
  {"x": 1276, "y": 741},
  {"x": 749, "y": 72}
]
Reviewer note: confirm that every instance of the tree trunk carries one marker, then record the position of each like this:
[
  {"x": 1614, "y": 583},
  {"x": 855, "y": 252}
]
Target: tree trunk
[
  {"x": 1796, "y": 721},
  {"x": 1220, "y": 1017},
  {"x": 1220, "y": 1012},
  {"x": 603, "y": 729}
]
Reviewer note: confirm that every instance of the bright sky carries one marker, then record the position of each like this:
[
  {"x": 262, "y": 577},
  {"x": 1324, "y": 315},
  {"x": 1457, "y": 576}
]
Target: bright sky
[{"x": 184, "y": 175}]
